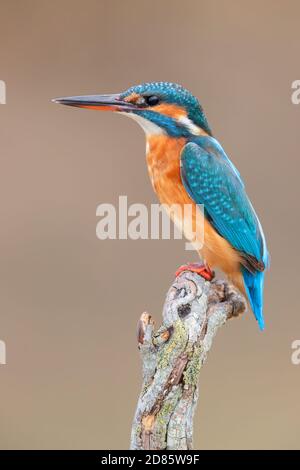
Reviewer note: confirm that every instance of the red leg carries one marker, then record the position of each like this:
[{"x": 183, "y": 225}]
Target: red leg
[{"x": 198, "y": 268}]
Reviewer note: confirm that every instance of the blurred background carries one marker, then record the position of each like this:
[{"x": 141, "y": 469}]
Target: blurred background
[{"x": 70, "y": 302}]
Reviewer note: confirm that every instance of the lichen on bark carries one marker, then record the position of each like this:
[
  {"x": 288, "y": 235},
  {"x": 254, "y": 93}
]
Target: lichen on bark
[{"x": 173, "y": 356}]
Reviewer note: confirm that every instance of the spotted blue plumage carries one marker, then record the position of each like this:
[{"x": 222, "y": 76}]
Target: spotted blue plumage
[
  {"x": 211, "y": 179},
  {"x": 174, "y": 94}
]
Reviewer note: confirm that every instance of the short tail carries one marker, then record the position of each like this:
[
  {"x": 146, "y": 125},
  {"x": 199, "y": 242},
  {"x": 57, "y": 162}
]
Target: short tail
[{"x": 254, "y": 286}]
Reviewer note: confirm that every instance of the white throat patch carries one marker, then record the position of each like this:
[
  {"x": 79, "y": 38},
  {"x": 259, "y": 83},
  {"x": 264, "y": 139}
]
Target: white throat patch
[{"x": 149, "y": 127}]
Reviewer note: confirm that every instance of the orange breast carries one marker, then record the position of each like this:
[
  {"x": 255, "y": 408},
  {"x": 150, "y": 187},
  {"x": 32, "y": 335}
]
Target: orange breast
[{"x": 163, "y": 159}]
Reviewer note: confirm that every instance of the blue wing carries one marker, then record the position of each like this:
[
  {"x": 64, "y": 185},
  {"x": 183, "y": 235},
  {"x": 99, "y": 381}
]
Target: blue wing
[{"x": 211, "y": 179}]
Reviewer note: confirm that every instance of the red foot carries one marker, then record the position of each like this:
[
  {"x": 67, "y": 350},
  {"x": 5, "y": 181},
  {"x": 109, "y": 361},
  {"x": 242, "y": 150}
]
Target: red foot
[{"x": 198, "y": 268}]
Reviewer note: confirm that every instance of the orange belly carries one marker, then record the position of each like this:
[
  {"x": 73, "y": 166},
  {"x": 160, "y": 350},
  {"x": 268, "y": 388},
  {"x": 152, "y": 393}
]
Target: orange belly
[{"x": 163, "y": 159}]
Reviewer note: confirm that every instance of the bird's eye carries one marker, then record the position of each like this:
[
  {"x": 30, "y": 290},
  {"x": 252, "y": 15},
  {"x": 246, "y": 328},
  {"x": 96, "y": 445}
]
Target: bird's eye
[{"x": 151, "y": 100}]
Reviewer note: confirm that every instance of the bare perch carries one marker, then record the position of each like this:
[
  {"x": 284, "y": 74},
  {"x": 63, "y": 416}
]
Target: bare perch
[{"x": 172, "y": 358}]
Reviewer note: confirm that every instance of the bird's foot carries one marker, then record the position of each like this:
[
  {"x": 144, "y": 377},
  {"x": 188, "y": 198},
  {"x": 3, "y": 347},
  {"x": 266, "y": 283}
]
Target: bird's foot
[{"x": 198, "y": 268}]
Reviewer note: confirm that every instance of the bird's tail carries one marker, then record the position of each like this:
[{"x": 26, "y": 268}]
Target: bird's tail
[{"x": 254, "y": 286}]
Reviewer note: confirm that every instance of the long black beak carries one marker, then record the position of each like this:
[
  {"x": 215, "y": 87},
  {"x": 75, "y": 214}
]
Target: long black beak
[{"x": 98, "y": 102}]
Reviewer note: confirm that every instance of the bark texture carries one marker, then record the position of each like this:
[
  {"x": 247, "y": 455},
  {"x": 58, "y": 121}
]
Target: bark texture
[{"x": 173, "y": 356}]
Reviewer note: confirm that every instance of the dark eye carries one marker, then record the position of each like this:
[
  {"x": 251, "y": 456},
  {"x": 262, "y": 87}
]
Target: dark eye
[{"x": 151, "y": 100}]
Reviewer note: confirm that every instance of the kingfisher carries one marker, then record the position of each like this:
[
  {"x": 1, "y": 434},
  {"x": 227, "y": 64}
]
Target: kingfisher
[{"x": 187, "y": 165}]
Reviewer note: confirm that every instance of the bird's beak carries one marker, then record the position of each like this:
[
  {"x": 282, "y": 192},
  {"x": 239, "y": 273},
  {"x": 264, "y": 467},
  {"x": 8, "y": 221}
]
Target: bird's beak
[{"x": 98, "y": 102}]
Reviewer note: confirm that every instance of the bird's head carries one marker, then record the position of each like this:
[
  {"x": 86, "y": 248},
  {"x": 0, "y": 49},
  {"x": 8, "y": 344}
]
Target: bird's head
[{"x": 159, "y": 107}]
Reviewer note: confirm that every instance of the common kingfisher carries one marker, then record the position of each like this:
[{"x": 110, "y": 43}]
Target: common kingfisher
[{"x": 187, "y": 165}]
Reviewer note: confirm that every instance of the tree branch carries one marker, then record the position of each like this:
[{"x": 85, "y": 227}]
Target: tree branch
[{"x": 172, "y": 358}]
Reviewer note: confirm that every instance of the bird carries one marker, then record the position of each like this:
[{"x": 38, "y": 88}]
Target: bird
[{"x": 187, "y": 165}]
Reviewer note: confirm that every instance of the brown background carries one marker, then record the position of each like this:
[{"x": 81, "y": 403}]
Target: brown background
[{"x": 69, "y": 302}]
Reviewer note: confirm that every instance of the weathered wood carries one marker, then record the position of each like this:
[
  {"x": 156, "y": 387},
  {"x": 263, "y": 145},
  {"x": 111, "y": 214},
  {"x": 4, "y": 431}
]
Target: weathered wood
[{"x": 172, "y": 358}]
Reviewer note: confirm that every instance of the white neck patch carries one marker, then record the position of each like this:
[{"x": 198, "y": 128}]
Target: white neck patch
[{"x": 191, "y": 127}]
